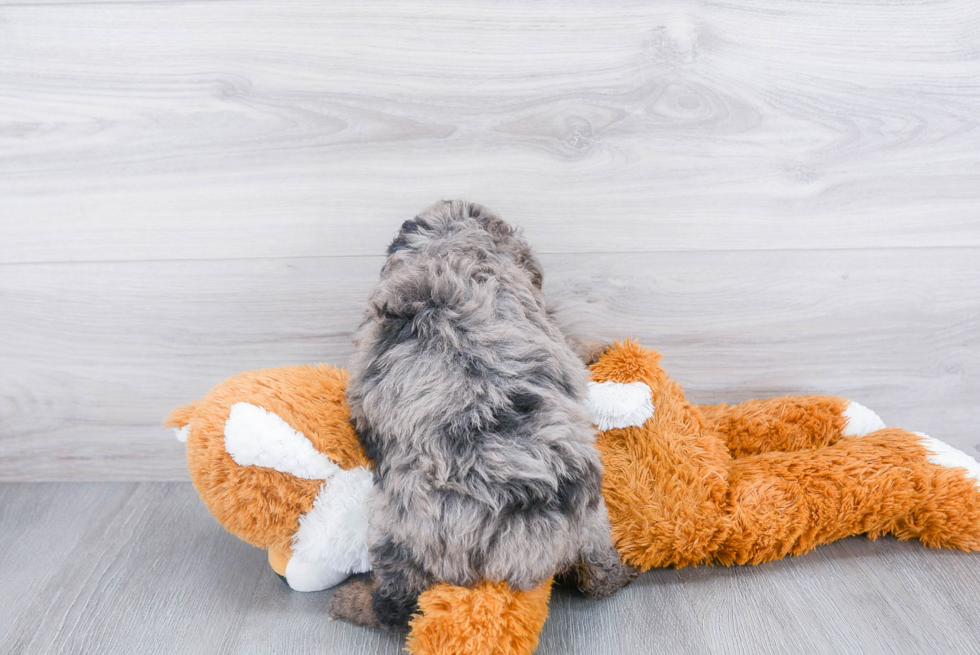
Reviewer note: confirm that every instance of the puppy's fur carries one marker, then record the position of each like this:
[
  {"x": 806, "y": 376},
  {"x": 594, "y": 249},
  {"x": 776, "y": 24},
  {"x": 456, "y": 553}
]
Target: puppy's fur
[{"x": 472, "y": 406}]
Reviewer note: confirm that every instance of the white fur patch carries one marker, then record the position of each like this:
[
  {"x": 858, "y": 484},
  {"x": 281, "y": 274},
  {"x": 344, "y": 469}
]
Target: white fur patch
[
  {"x": 619, "y": 405},
  {"x": 181, "y": 433},
  {"x": 945, "y": 455},
  {"x": 331, "y": 542},
  {"x": 312, "y": 576},
  {"x": 860, "y": 420},
  {"x": 256, "y": 437}
]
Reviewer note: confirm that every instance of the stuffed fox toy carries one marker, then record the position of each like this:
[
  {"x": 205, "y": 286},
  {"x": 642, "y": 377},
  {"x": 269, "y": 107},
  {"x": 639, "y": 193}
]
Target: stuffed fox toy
[{"x": 276, "y": 461}]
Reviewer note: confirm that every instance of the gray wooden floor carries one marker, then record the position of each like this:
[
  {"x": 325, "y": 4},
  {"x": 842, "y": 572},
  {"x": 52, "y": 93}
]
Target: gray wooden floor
[{"x": 142, "y": 568}]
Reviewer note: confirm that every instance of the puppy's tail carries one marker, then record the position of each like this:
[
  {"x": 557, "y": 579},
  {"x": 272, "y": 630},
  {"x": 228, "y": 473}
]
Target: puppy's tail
[{"x": 489, "y": 619}]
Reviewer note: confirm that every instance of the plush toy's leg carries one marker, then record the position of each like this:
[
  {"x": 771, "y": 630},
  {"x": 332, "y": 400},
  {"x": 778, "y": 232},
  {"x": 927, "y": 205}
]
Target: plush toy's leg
[
  {"x": 489, "y": 619},
  {"x": 949, "y": 516},
  {"x": 279, "y": 559},
  {"x": 890, "y": 481},
  {"x": 302, "y": 575},
  {"x": 787, "y": 424}
]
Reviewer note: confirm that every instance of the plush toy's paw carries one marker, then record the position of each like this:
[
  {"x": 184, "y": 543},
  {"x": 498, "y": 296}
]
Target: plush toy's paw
[
  {"x": 352, "y": 603},
  {"x": 312, "y": 576},
  {"x": 860, "y": 420},
  {"x": 302, "y": 575}
]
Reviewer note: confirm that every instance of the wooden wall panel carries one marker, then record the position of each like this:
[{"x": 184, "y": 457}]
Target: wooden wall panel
[
  {"x": 96, "y": 354},
  {"x": 249, "y": 128},
  {"x": 784, "y": 198}
]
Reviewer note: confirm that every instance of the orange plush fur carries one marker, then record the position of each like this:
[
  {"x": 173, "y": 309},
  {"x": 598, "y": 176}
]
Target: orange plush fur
[
  {"x": 744, "y": 484},
  {"x": 728, "y": 484},
  {"x": 490, "y": 618}
]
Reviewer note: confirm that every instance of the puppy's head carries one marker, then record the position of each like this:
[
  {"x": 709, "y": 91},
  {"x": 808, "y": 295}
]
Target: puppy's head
[{"x": 465, "y": 226}]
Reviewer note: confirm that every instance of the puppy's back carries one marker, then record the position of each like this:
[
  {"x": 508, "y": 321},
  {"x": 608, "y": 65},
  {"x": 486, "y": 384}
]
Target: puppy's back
[{"x": 471, "y": 405}]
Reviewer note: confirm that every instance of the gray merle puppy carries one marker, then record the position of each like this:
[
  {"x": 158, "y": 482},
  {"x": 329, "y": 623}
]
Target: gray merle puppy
[{"x": 472, "y": 405}]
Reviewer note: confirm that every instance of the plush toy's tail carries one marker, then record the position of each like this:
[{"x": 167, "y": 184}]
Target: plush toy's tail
[
  {"x": 948, "y": 514},
  {"x": 489, "y": 619}
]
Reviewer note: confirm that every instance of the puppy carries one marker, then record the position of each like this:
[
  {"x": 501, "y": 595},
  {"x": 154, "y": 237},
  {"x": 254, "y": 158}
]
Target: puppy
[{"x": 472, "y": 406}]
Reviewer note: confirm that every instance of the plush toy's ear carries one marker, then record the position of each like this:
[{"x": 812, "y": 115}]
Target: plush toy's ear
[
  {"x": 180, "y": 420},
  {"x": 489, "y": 619}
]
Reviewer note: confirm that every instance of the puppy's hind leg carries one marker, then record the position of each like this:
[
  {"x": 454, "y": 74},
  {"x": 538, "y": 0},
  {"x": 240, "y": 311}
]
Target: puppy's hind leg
[
  {"x": 391, "y": 600},
  {"x": 352, "y": 602},
  {"x": 589, "y": 351},
  {"x": 599, "y": 572}
]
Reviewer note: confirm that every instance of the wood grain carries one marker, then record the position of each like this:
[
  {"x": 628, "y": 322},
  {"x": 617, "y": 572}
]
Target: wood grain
[
  {"x": 95, "y": 355},
  {"x": 249, "y": 128},
  {"x": 122, "y": 586},
  {"x": 142, "y": 568}
]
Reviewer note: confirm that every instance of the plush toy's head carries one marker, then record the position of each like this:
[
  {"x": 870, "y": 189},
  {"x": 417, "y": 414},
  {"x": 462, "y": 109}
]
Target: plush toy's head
[{"x": 275, "y": 459}]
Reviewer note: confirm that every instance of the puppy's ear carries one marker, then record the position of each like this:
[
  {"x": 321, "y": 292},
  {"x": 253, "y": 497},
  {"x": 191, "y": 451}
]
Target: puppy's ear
[
  {"x": 408, "y": 228},
  {"x": 527, "y": 260},
  {"x": 496, "y": 226},
  {"x": 508, "y": 239}
]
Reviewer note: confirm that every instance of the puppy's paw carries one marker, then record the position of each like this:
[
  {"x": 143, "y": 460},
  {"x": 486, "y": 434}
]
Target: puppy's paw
[
  {"x": 588, "y": 351},
  {"x": 602, "y": 575},
  {"x": 352, "y": 603}
]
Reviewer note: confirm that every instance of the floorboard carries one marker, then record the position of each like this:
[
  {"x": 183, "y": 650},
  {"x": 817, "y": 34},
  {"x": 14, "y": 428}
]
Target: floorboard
[{"x": 142, "y": 568}]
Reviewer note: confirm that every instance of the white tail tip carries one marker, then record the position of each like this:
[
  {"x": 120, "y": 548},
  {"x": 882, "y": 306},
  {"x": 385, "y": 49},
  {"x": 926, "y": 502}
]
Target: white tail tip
[
  {"x": 945, "y": 455},
  {"x": 860, "y": 420}
]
